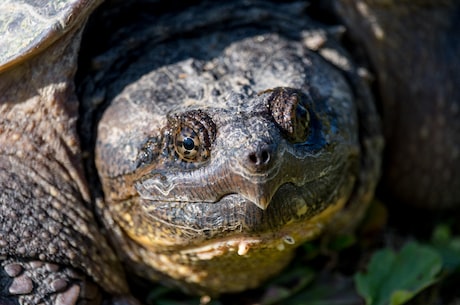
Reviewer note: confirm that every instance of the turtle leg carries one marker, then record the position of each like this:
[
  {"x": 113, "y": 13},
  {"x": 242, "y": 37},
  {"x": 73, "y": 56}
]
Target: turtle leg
[
  {"x": 46, "y": 212},
  {"x": 36, "y": 282}
]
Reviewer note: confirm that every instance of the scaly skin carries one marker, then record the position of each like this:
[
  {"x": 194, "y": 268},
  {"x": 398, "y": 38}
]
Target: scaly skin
[{"x": 51, "y": 250}]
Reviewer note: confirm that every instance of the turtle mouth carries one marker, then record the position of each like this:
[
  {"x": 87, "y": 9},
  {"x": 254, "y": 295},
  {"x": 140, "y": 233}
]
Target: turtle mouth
[
  {"x": 171, "y": 212},
  {"x": 234, "y": 223},
  {"x": 260, "y": 195},
  {"x": 235, "y": 215},
  {"x": 287, "y": 203},
  {"x": 215, "y": 184},
  {"x": 301, "y": 225}
]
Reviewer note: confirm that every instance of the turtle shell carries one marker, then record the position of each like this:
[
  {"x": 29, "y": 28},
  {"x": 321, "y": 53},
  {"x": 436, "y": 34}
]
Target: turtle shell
[{"x": 27, "y": 27}]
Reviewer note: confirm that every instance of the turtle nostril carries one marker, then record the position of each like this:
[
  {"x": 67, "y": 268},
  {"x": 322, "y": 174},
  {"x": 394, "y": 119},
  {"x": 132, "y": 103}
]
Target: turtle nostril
[
  {"x": 253, "y": 158},
  {"x": 265, "y": 157},
  {"x": 259, "y": 157}
]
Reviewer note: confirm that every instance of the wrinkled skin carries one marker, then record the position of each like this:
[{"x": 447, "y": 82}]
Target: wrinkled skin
[{"x": 53, "y": 247}]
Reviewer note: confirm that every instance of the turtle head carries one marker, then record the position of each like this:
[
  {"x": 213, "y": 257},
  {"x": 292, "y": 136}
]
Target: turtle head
[{"x": 202, "y": 164}]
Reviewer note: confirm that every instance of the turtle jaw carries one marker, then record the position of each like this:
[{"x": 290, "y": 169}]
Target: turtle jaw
[
  {"x": 202, "y": 246},
  {"x": 173, "y": 225},
  {"x": 240, "y": 258}
]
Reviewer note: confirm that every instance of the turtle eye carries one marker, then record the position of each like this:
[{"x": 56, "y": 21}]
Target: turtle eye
[
  {"x": 289, "y": 109},
  {"x": 194, "y": 133},
  {"x": 188, "y": 145}
]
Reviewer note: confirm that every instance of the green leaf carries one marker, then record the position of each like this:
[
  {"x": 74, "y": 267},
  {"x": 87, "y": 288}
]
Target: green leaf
[
  {"x": 400, "y": 297},
  {"x": 394, "y": 278},
  {"x": 441, "y": 234},
  {"x": 448, "y": 246}
]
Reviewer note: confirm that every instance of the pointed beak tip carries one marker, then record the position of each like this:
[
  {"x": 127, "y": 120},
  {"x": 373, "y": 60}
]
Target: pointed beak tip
[
  {"x": 259, "y": 197},
  {"x": 262, "y": 203},
  {"x": 262, "y": 207}
]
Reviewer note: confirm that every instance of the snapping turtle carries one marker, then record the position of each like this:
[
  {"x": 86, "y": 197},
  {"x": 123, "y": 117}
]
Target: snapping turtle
[{"x": 222, "y": 136}]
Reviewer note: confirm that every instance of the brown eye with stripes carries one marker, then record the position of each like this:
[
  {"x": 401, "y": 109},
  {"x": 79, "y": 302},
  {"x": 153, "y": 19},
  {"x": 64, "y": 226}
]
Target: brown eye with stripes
[
  {"x": 189, "y": 147},
  {"x": 193, "y": 136}
]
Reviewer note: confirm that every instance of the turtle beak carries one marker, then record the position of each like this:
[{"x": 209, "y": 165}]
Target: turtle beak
[
  {"x": 259, "y": 194},
  {"x": 261, "y": 202}
]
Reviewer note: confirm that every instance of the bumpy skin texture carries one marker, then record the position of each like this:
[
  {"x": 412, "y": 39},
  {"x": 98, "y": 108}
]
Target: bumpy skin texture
[
  {"x": 413, "y": 46},
  {"x": 220, "y": 154},
  {"x": 37, "y": 282},
  {"x": 51, "y": 249}
]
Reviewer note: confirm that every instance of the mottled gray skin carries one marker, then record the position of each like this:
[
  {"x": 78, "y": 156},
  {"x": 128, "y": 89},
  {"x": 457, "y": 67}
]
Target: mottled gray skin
[{"x": 53, "y": 248}]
